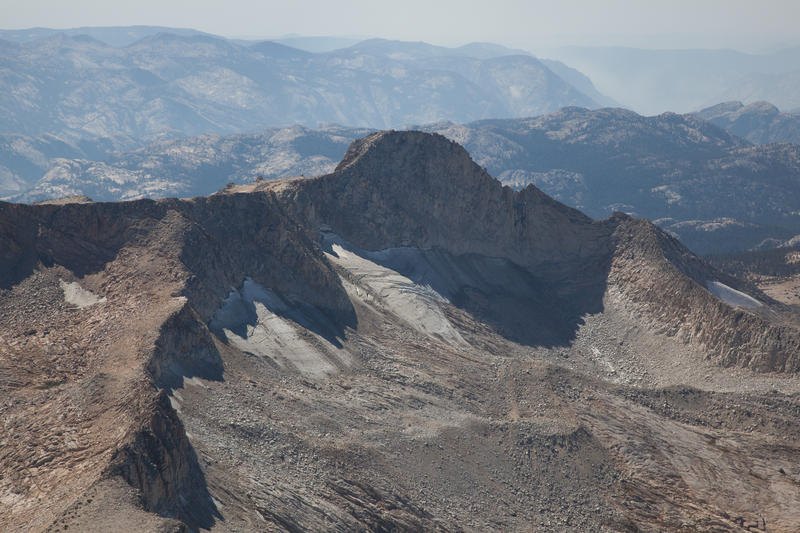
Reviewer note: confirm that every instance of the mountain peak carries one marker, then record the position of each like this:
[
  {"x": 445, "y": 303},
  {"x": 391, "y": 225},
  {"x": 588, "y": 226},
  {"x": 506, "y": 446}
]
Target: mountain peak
[
  {"x": 392, "y": 144},
  {"x": 409, "y": 188}
]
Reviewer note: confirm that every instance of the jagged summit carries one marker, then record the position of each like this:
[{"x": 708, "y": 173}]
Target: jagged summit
[{"x": 401, "y": 344}]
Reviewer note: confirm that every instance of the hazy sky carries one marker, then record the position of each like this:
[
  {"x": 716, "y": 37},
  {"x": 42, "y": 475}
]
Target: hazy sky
[{"x": 741, "y": 24}]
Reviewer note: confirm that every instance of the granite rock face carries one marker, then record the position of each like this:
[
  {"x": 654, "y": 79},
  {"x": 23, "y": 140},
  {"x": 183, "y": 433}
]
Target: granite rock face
[{"x": 417, "y": 189}]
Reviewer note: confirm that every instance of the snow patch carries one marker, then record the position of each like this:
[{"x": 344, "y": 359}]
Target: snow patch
[
  {"x": 731, "y": 296},
  {"x": 416, "y": 304},
  {"x": 78, "y": 296},
  {"x": 255, "y": 320}
]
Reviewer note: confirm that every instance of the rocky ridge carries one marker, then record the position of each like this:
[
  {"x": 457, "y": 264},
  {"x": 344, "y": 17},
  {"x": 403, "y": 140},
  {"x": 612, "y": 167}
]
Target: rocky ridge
[
  {"x": 195, "y": 166},
  {"x": 454, "y": 355}
]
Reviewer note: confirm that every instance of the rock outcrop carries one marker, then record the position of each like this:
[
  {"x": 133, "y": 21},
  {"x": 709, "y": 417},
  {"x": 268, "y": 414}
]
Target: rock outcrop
[{"x": 160, "y": 462}]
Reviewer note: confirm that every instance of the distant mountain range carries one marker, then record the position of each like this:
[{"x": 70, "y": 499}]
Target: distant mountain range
[
  {"x": 127, "y": 35},
  {"x": 111, "y": 35},
  {"x": 168, "y": 85},
  {"x": 714, "y": 190},
  {"x": 654, "y": 81},
  {"x": 759, "y": 122},
  {"x": 196, "y": 165}
]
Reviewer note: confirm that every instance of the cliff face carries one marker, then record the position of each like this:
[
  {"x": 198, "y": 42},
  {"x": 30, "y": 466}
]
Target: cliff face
[
  {"x": 401, "y": 344},
  {"x": 160, "y": 462},
  {"x": 416, "y": 189}
]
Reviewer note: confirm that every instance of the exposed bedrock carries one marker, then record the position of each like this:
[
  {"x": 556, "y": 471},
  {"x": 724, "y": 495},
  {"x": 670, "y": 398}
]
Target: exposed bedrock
[
  {"x": 160, "y": 462},
  {"x": 652, "y": 274},
  {"x": 185, "y": 348}
]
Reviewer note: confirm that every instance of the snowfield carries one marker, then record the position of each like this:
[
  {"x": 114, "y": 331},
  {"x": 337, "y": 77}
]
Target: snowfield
[{"x": 731, "y": 296}]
